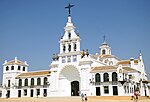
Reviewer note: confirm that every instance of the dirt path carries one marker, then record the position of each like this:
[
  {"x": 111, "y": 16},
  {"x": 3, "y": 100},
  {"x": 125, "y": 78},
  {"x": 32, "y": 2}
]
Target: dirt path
[{"x": 74, "y": 99}]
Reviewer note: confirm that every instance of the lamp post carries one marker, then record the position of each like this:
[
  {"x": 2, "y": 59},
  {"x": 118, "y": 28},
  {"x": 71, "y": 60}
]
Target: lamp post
[{"x": 5, "y": 87}]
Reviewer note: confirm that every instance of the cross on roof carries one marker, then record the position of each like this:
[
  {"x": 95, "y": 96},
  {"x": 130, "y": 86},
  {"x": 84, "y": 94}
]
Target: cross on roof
[
  {"x": 104, "y": 38},
  {"x": 69, "y": 8}
]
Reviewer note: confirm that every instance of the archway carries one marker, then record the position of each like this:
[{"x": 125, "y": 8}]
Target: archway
[
  {"x": 69, "y": 81},
  {"x": 74, "y": 88}
]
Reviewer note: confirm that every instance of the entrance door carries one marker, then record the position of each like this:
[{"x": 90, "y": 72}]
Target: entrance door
[
  {"x": 31, "y": 94},
  {"x": 98, "y": 91},
  {"x": 145, "y": 93},
  {"x": 115, "y": 90},
  {"x": 74, "y": 88},
  {"x": 8, "y": 94},
  {"x": 19, "y": 93},
  {"x": 45, "y": 93}
]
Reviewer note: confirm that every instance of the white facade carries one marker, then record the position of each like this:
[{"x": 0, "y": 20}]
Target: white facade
[{"x": 73, "y": 72}]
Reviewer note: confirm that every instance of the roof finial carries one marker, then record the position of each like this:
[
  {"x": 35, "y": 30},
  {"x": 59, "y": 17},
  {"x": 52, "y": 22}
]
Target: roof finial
[
  {"x": 140, "y": 51},
  {"x": 15, "y": 59},
  {"x": 104, "y": 38},
  {"x": 25, "y": 62},
  {"x": 140, "y": 56},
  {"x": 69, "y": 8},
  {"x": 5, "y": 61}
]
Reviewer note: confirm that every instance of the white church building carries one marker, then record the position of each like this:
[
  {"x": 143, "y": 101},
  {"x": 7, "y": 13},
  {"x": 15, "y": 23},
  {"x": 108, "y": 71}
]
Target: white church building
[{"x": 73, "y": 72}]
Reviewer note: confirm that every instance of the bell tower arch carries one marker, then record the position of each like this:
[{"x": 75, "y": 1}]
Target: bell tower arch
[{"x": 105, "y": 49}]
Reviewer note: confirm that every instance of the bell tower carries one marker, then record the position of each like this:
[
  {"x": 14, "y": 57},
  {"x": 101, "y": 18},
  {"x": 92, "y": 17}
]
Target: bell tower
[
  {"x": 105, "y": 49},
  {"x": 70, "y": 41},
  {"x": 64, "y": 67},
  {"x": 11, "y": 69}
]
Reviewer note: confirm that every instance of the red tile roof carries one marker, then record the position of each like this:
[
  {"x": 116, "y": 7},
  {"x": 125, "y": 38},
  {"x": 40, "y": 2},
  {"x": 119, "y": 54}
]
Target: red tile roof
[{"x": 29, "y": 74}]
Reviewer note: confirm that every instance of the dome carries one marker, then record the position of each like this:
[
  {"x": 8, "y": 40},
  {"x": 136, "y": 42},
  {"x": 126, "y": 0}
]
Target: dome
[{"x": 104, "y": 43}]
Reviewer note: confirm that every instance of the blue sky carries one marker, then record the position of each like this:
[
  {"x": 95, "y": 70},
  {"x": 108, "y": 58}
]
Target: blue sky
[{"x": 31, "y": 29}]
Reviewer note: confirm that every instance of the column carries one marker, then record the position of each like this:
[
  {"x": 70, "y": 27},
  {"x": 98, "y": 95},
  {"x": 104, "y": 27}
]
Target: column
[
  {"x": 66, "y": 47},
  {"x": 102, "y": 78},
  {"x": 61, "y": 47},
  {"x": 78, "y": 45},
  {"x": 42, "y": 80},
  {"x": 72, "y": 47},
  {"x": 110, "y": 76}
]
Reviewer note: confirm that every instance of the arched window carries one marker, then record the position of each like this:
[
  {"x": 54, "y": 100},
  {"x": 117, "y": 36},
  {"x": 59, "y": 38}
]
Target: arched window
[
  {"x": 38, "y": 81},
  {"x": 114, "y": 76},
  {"x": 12, "y": 67},
  {"x": 68, "y": 58},
  {"x": 20, "y": 82},
  {"x": 19, "y": 67},
  {"x": 32, "y": 81},
  {"x": 69, "y": 47},
  {"x": 26, "y": 82},
  {"x": 64, "y": 48},
  {"x": 111, "y": 63},
  {"x": 97, "y": 77},
  {"x": 109, "y": 51},
  {"x": 103, "y": 52},
  {"x": 75, "y": 47},
  {"x": 24, "y": 68},
  {"x": 45, "y": 80},
  {"x": 74, "y": 58},
  {"x": 7, "y": 68},
  {"x": 106, "y": 77},
  {"x": 69, "y": 35}
]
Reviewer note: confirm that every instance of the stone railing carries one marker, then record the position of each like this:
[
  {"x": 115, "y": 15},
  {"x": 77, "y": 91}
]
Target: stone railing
[
  {"x": 33, "y": 86},
  {"x": 104, "y": 83}
]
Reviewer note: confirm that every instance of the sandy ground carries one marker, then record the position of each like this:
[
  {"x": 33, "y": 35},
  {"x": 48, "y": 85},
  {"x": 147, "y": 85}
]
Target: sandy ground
[{"x": 76, "y": 99}]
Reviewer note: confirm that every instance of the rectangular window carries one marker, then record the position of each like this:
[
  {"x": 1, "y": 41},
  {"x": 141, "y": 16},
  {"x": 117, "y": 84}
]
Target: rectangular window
[
  {"x": 0, "y": 93},
  {"x": 106, "y": 90},
  {"x": 74, "y": 58},
  {"x": 24, "y": 68},
  {"x": 8, "y": 83},
  {"x": 69, "y": 59},
  {"x": 18, "y": 67},
  {"x": 127, "y": 89},
  {"x": 130, "y": 76},
  {"x": 12, "y": 67},
  {"x": 63, "y": 60},
  {"x": 25, "y": 92},
  {"x": 38, "y": 92},
  {"x": 130, "y": 90}
]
